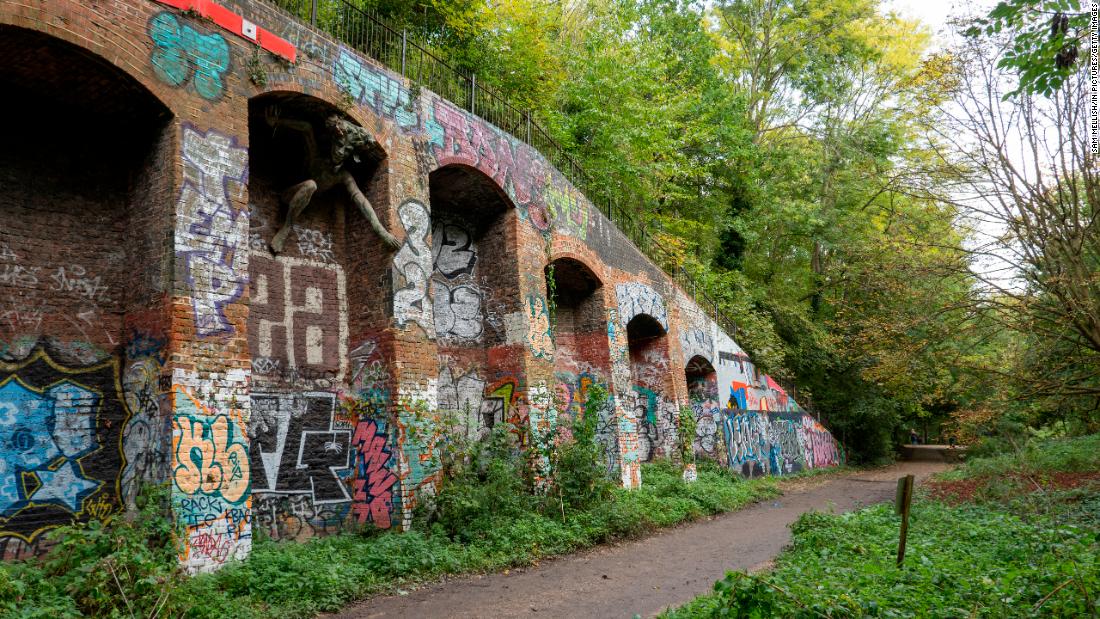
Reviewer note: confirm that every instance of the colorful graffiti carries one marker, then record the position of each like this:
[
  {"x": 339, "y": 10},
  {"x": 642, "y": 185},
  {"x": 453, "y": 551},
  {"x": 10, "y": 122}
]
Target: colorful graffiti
[
  {"x": 61, "y": 451},
  {"x": 374, "y": 89},
  {"x": 748, "y": 388},
  {"x": 656, "y": 423},
  {"x": 181, "y": 54},
  {"x": 208, "y": 460},
  {"x": 418, "y": 434},
  {"x": 573, "y": 397},
  {"x": 238, "y": 25},
  {"x": 212, "y": 233},
  {"x": 466, "y": 397},
  {"x": 777, "y": 443},
  {"x": 630, "y": 449},
  {"x": 374, "y": 481},
  {"x": 568, "y": 210},
  {"x": 211, "y": 476},
  {"x": 539, "y": 337},
  {"x": 457, "y": 137}
]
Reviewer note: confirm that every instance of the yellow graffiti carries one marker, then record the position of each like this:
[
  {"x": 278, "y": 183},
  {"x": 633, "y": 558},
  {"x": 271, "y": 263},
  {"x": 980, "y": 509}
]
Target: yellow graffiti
[{"x": 206, "y": 460}]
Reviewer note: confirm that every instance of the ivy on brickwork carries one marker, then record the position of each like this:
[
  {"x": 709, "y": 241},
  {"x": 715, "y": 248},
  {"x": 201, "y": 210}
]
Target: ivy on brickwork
[
  {"x": 257, "y": 74},
  {"x": 551, "y": 298},
  {"x": 685, "y": 434}
]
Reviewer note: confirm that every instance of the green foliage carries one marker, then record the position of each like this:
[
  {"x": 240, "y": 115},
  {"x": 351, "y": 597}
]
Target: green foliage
[
  {"x": 781, "y": 153},
  {"x": 123, "y": 567},
  {"x": 1034, "y": 457},
  {"x": 960, "y": 562},
  {"x": 1033, "y": 557},
  {"x": 257, "y": 73},
  {"x": 498, "y": 525},
  {"x": 292, "y": 579},
  {"x": 685, "y": 434},
  {"x": 485, "y": 487},
  {"x": 580, "y": 477},
  {"x": 1049, "y": 39}
]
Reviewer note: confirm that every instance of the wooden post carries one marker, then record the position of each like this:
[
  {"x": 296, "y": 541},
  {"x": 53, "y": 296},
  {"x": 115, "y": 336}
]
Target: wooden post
[{"x": 902, "y": 502}]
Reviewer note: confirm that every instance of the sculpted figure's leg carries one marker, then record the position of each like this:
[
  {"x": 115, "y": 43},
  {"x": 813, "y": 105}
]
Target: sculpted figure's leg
[
  {"x": 300, "y": 195},
  {"x": 368, "y": 211}
]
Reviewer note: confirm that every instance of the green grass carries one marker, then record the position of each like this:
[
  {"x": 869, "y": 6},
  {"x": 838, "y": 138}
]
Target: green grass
[
  {"x": 1009, "y": 553},
  {"x": 1049, "y": 455},
  {"x": 287, "y": 579}
]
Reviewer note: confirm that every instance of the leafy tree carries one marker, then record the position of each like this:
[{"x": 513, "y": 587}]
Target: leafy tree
[{"x": 1049, "y": 41}]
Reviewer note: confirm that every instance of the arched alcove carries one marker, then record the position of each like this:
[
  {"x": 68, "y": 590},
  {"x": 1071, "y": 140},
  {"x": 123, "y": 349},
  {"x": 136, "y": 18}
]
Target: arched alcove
[
  {"x": 86, "y": 210},
  {"x": 649, "y": 374},
  {"x": 702, "y": 389},
  {"x": 581, "y": 351},
  {"x": 580, "y": 322},
  {"x": 475, "y": 285},
  {"x": 311, "y": 301}
]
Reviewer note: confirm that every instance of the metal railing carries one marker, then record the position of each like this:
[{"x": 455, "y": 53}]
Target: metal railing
[{"x": 369, "y": 34}]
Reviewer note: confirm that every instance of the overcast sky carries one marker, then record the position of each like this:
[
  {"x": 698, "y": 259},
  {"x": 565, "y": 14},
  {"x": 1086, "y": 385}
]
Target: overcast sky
[{"x": 935, "y": 13}]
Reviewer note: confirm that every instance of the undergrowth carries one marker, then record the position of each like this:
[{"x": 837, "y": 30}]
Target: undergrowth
[
  {"x": 490, "y": 514},
  {"x": 124, "y": 567},
  {"x": 289, "y": 579},
  {"x": 1016, "y": 551},
  {"x": 1036, "y": 457}
]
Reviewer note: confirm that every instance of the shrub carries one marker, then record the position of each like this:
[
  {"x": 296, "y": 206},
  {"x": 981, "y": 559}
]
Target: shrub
[
  {"x": 580, "y": 477},
  {"x": 122, "y": 567},
  {"x": 485, "y": 486}
]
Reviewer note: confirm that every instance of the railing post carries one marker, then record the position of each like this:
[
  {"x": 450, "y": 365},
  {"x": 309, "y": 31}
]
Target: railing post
[
  {"x": 473, "y": 93},
  {"x": 313, "y": 12},
  {"x": 528, "y": 114},
  {"x": 404, "y": 46}
]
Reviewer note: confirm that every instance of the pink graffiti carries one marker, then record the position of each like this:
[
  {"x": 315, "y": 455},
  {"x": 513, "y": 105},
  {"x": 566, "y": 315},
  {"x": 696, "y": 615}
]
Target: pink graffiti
[
  {"x": 373, "y": 500},
  {"x": 822, "y": 447},
  {"x": 217, "y": 547},
  {"x": 481, "y": 146}
]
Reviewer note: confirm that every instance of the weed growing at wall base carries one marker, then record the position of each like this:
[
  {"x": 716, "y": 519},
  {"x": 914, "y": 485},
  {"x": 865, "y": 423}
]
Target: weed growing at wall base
[
  {"x": 288, "y": 579},
  {"x": 126, "y": 567}
]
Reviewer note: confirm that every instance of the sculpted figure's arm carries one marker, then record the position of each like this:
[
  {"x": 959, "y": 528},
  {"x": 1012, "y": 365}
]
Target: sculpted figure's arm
[
  {"x": 348, "y": 140},
  {"x": 368, "y": 211}
]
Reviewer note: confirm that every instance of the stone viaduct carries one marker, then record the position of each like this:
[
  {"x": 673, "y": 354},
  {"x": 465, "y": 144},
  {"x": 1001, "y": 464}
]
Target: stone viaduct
[{"x": 149, "y": 332}]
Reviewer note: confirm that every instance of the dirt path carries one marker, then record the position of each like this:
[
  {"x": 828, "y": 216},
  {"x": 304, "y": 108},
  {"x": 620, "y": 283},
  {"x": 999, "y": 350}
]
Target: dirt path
[{"x": 648, "y": 575}]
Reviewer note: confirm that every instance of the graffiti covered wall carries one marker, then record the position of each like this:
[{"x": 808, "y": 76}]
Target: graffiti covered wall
[
  {"x": 744, "y": 418},
  {"x": 61, "y": 444},
  {"x": 764, "y": 443},
  {"x": 84, "y": 269},
  {"x": 153, "y": 328}
]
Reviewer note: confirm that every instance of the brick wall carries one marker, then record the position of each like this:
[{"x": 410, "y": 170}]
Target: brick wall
[{"x": 148, "y": 331}]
